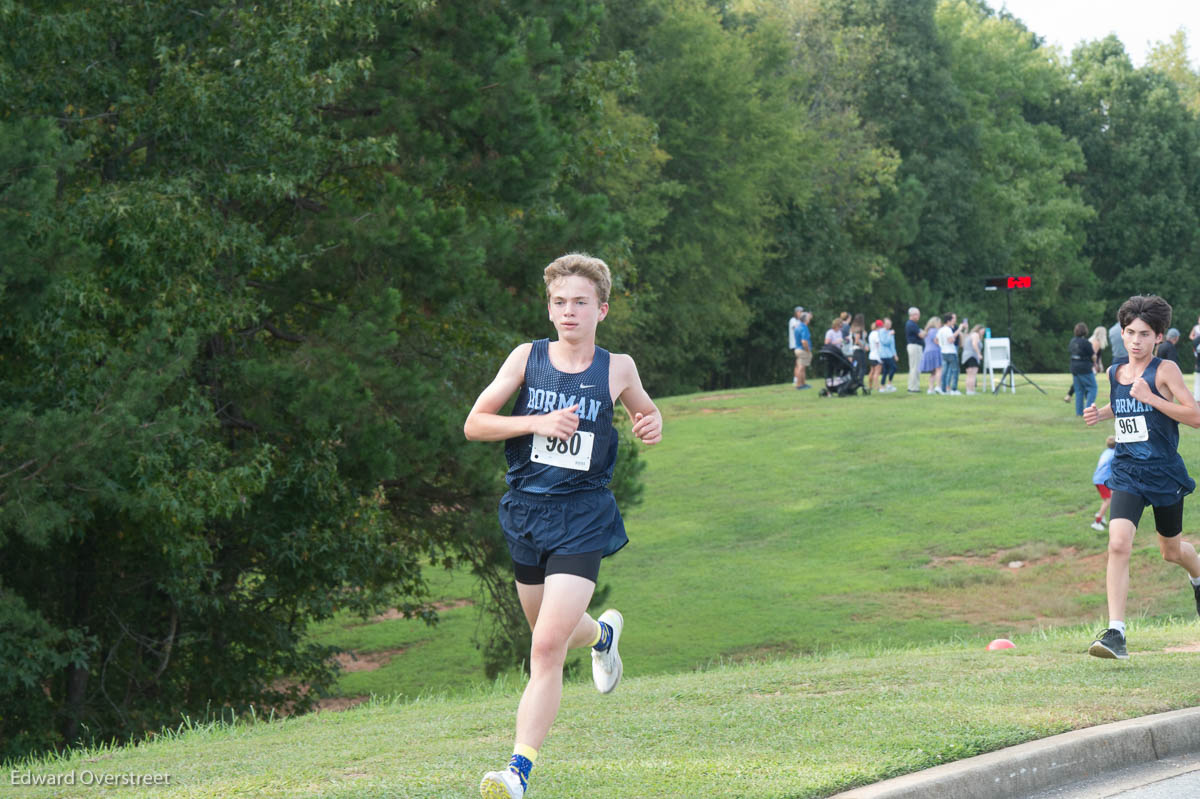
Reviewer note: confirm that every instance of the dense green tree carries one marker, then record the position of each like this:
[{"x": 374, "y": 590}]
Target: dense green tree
[
  {"x": 267, "y": 259},
  {"x": 832, "y": 245},
  {"x": 910, "y": 95},
  {"x": 257, "y": 260},
  {"x": 1141, "y": 145},
  {"x": 1173, "y": 59},
  {"x": 1026, "y": 216},
  {"x": 509, "y": 144},
  {"x": 191, "y": 468},
  {"x": 722, "y": 136}
]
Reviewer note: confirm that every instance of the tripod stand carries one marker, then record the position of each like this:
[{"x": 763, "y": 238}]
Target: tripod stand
[{"x": 1010, "y": 370}]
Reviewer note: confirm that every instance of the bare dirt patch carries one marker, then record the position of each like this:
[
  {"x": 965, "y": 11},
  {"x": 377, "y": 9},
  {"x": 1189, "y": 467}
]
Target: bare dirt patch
[
  {"x": 760, "y": 653},
  {"x": 1041, "y": 591},
  {"x": 366, "y": 661},
  {"x": 1002, "y": 559},
  {"x": 1045, "y": 590},
  {"x": 393, "y": 614},
  {"x": 1192, "y": 647},
  {"x": 337, "y": 703}
]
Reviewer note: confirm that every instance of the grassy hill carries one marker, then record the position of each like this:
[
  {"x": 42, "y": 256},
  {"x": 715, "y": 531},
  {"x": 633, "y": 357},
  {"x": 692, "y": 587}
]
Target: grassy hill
[
  {"x": 808, "y": 726},
  {"x": 778, "y": 522},
  {"x": 808, "y": 592}
]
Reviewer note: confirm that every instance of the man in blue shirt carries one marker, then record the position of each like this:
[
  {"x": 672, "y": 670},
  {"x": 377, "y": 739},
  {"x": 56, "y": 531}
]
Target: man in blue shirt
[{"x": 801, "y": 343}]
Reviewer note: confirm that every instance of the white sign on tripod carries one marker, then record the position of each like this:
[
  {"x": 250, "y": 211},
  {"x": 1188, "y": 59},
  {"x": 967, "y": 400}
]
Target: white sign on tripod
[{"x": 997, "y": 356}]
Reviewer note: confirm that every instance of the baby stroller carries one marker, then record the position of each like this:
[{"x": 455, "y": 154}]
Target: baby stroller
[{"x": 842, "y": 377}]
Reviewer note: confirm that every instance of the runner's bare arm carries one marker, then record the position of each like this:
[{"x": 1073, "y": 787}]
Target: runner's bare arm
[
  {"x": 1169, "y": 381},
  {"x": 626, "y": 386},
  {"x": 485, "y": 422},
  {"x": 1092, "y": 414}
]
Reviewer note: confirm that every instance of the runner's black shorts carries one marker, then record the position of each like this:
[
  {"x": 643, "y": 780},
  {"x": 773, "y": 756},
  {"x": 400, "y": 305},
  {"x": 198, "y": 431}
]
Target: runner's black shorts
[{"x": 1168, "y": 519}]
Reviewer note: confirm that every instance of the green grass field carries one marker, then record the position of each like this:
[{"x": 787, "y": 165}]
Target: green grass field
[
  {"x": 808, "y": 726},
  {"x": 808, "y": 592},
  {"x": 778, "y": 522}
]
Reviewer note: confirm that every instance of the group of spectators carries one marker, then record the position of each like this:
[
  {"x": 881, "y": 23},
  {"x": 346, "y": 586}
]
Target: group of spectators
[
  {"x": 943, "y": 348},
  {"x": 1087, "y": 360},
  {"x": 938, "y": 349},
  {"x": 874, "y": 352}
]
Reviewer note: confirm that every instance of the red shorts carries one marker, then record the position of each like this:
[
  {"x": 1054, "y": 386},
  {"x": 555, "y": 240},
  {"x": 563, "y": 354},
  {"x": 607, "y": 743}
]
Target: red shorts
[{"x": 1105, "y": 491}]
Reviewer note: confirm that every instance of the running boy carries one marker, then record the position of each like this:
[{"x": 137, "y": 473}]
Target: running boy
[
  {"x": 558, "y": 517},
  {"x": 1148, "y": 401},
  {"x": 1100, "y": 480}
]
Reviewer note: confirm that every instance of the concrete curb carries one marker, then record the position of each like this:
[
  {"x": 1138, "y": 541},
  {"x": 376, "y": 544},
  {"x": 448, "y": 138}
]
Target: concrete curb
[{"x": 1048, "y": 763}]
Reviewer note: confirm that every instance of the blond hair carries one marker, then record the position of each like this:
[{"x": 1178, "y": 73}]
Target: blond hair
[{"x": 583, "y": 265}]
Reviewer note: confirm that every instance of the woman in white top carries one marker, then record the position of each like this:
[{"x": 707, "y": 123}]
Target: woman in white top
[
  {"x": 833, "y": 336},
  {"x": 873, "y": 356}
]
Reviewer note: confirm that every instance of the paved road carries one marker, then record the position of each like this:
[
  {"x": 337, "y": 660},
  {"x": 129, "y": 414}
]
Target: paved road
[{"x": 1169, "y": 778}]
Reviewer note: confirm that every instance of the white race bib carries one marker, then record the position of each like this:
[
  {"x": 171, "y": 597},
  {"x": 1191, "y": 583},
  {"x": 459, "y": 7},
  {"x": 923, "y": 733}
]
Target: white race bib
[
  {"x": 574, "y": 453},
  {"x": 1131, "y": 428}
]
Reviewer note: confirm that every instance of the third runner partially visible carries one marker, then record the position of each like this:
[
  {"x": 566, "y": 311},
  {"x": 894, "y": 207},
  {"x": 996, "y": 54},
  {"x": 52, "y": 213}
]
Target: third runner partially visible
[{"x": 1148, "y": 400}]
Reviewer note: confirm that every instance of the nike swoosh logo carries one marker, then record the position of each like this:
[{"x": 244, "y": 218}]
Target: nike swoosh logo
[{"x": 587, "y": 385}]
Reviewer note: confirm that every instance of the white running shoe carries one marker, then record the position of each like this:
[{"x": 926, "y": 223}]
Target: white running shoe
[
  {"x": 606, "y": 666},
  {"x": 1098, "y": 526},
  {"x": 501, "y": 785},
  {"x": 956, "y": 393}
]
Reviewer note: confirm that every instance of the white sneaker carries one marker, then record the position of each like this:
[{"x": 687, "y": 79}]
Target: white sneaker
[
  {"x": 1098, "y": 526},
  {"x": 956, "y": 393},
  {"x": 501, "y": 785},
  {"x": 970, "y": 393},
  {"x": 606, "y": 666},
  {"x": 938, "y": 390}
]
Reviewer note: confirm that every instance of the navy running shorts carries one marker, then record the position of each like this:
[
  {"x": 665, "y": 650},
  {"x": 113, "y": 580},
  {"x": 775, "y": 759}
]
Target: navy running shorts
[{"x": 538, "y": 526}]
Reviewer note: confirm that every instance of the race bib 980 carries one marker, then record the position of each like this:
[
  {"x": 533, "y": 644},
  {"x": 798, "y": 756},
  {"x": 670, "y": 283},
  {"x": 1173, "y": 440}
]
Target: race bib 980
[
  {"x": 1131, "y": 428},
  {"x": 574, "y": 453}
]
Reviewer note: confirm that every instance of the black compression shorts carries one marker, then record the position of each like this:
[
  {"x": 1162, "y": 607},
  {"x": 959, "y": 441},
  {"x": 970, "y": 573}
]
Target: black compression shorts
[
  {"x": 585, "y": 565},
  {"x": 1168, "y": 519}
]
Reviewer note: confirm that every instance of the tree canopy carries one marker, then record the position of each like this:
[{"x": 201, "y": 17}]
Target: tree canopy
[{"x": 257, "y": 260}]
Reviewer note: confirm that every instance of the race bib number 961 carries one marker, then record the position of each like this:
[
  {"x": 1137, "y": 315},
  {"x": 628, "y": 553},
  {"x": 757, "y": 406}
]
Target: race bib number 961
[
  {"x": 574, "y": 453},
  {"x": 1131, "y": 428}
]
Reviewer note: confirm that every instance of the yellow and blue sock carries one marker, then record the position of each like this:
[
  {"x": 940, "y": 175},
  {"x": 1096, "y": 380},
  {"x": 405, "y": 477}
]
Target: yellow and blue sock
[
  {"x": 521, "y": 762},
  {"x": 604, "y": 637}
]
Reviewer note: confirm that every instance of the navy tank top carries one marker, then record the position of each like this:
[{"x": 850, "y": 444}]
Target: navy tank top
[
  {"x": 1154, "y": 466},
  {"x": 547, "y": 389}
]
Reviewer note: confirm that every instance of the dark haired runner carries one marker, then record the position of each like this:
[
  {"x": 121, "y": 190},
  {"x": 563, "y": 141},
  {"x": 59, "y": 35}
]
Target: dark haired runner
[{"x": 1148, "y": 400}]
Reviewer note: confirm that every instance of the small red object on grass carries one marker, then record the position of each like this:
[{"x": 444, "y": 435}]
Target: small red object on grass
[{"x": 1001, "y": 643}]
